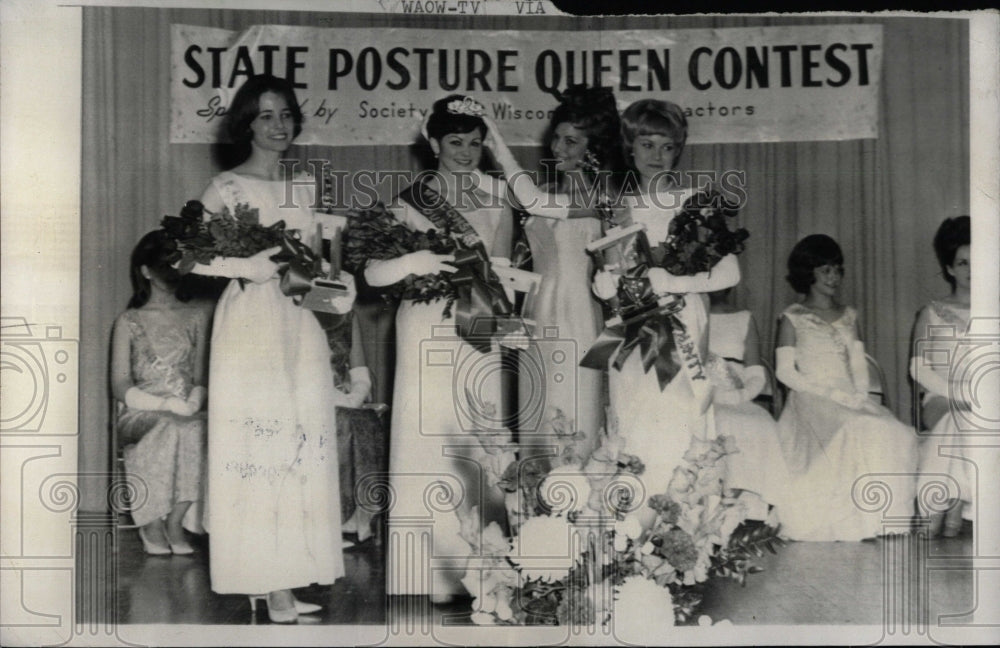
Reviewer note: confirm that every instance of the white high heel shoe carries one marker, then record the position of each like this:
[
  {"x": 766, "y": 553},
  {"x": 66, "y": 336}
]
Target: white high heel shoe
[
  {"x": 152, "y": 548},
  {"x": 301, "y": 607}
]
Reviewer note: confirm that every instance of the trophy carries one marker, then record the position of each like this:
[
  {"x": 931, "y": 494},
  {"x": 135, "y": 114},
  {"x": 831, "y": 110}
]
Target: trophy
[
  {"x": 630, "y": 257},
  {"x": 518, "y": 331},
  {"x": 334, "y": 293}
]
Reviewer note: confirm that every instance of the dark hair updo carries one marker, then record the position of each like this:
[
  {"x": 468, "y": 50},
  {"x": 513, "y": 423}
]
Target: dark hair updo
[
  {"x": 245, "y": 107},
  {"x": 951, "y": 235},
  {"x": 814, "y": 251},
  {"x": 158, "y": 252},
  {"x": 444, "y": 120},
  {"x": 595, "y": 112}
]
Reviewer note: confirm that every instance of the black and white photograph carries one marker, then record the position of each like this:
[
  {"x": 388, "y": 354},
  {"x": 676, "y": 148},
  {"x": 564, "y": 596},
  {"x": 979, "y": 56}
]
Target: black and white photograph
[{"x": 476, "y": 322}]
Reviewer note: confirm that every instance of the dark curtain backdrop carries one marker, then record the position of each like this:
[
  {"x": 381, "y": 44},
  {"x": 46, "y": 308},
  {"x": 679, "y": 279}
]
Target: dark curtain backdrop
[{"x": 881, "y": 199}]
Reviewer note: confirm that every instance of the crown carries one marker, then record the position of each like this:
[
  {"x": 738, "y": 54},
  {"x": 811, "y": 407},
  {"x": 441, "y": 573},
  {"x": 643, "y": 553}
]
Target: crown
[{"x": 466, "y": 106}]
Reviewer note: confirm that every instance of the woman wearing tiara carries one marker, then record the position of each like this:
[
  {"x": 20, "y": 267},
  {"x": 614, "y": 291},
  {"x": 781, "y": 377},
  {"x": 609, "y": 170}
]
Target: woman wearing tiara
[
  {"x": 437, "y": 469},
  {"x": 447, "y": 384},
  {"x": 943, "y": 400}
]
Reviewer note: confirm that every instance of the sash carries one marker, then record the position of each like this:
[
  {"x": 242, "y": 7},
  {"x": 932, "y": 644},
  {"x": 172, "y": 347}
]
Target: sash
[
  {"x": 301, "y": 263},
  {"x": 482, "y": 309},
  {"x": 658, "y": 331}
]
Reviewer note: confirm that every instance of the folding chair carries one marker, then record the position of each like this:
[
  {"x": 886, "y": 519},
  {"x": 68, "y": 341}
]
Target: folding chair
[
  {"x": 118, "y": 489},
  {"x": 878, "y": 389},
  {"x": 770, "y": 397}
]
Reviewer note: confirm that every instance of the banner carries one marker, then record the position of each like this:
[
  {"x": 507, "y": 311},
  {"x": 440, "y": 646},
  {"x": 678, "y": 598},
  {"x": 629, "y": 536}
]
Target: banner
[{"x": 373, "y": 86}]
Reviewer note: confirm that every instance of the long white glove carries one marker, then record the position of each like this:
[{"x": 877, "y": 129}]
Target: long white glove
[
  {"x": 424, "y": 262},
  {"x": 792, "y": 377},
  {"x": 196, "y": 397},
  {"x": 928, "y": 378},
  {"x": 605, "y": 284},
  {"x": 532, "y": 199},
  {"x": 859, "y": 367},
  {"x": 138, "y": 399},
  {"x": 257, "y": 268},
  {"x": 725, "y": 274},
  {"x": 754, "y": 380},
  {"x": 361, "y": 386}
]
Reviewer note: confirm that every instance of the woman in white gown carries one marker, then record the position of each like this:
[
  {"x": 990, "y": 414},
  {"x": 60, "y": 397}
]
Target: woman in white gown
[
  {"x": 659, "y": 424},
  {"x": 831, "y": 433},
  {"x": 940, "y": 328},
  {"x": 444, "y": 386},
  {"x": 273, "y": 502},
  {"x": 738, "y": 376},
  {"x": 564, "y": 308}
]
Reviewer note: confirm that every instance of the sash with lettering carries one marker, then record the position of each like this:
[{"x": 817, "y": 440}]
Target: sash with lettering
[
  {"x": 482, "y": 308},
  {"x": 656, "y": 326}
]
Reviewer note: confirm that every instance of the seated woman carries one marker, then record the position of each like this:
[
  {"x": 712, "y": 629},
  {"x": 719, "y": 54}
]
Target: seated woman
[
  {"x": 158, "y": 359},
  {"x": 831, "y": 434},
  {"x": 738, "y": 376},
  {"x": 951, "y": 244}
]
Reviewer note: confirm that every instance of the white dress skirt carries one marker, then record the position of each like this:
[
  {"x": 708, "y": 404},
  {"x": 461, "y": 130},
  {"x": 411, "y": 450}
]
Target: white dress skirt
[
  {"x": 945, "y": 465},
  {"x": 838, "y": 457},
  {"x": 757, "y": 465},
  {"x": 444, "y": 388},
  {"x": 658, "y": 425},
  {"x": 568, "y": 318},
  {"x": 273, "y": 510}
]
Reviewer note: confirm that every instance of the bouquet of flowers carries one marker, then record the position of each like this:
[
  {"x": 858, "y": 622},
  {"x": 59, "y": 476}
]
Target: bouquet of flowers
[
  {"x": 585, "y": 558},
  {"x": 375, "y": 234},
  {"x": 238, "y": 234},
  {"x": 699, "y": 236}
]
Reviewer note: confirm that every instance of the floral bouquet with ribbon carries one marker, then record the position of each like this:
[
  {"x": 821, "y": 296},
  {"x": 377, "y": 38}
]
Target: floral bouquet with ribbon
[
  {"x": 481, "y": 307},
  {"x": 698, "y": 239},
  {"x": 240, "y": 234}
]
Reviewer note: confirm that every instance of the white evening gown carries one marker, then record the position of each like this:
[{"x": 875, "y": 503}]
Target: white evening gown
[
  {"x": 442, "y": 386},
  {"x": 942, "y": 457},
  {"x": 658, "y": 425},
  {"x": 828, "y": 446},
  {"x": 568, "y": 319},
  {"x": 273, "y": 497},
  {"x": 757, "y": 466}
]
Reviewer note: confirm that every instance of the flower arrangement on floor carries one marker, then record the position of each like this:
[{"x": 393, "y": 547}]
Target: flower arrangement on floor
[{"x": 586, "y": 555}]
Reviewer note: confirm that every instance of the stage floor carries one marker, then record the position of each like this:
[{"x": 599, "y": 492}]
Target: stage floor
[{"x": 826, "y": 583}]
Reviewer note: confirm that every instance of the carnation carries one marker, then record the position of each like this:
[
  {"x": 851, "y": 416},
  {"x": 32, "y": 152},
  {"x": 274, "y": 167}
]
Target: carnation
[
  {"x": 643, "y": 611},
  {"x": 677, "y": 546},
  {"x": 546, "y": 548},
  {"x": 668, "y": 509}
]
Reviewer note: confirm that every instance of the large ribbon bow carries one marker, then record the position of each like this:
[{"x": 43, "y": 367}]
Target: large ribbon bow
[
  {"x": 481, "y": 306},
  {"x": 646, "y": 324},
  {"x": 303, "y": 264}
]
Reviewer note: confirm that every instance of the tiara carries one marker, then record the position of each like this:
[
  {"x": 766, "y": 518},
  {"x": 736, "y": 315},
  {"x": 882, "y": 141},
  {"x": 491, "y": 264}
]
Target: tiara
[{"x": 466, "y": 106}]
